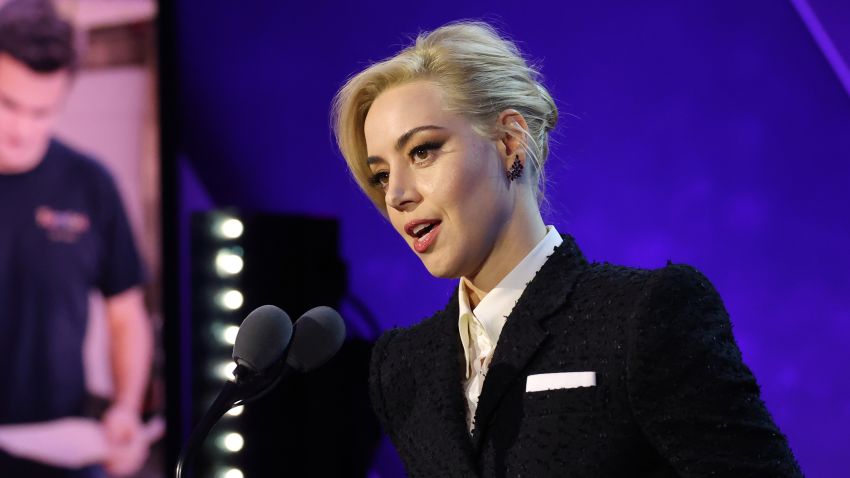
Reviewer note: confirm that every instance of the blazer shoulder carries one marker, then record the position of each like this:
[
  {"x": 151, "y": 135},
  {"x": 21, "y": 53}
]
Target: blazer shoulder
[
  {"x": 400, "y": 342},
  {"x": 680, "y": 321},
  {"x": 391, "y": 375},
  {"x": 668, "y": 285},
  {"x": 681, "y": 277},
  {"x": 602, "y": 280},
  {"x": 675, "y": 289}
]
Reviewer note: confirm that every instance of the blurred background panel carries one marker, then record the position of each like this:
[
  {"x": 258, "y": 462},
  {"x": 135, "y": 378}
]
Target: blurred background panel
[
  {"x": 112, "y": 114},
  {"x": 713, "y": 133}
]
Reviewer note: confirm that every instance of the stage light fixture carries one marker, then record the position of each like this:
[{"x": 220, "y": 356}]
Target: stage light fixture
[
  {"x": 232, "y": 473},
  {"x": 230, "y": 228},
  {"x": 227, "y": 263},
  {"x": 228, "y": 334},
  {"x": 225, "y": 370},
  {"x": 232, "y": 442},
  {"x": 231, "y": 299}
]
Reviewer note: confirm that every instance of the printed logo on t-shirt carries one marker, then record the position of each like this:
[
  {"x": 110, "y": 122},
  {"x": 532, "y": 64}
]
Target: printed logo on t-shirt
[{"x": 61, "y": 226}]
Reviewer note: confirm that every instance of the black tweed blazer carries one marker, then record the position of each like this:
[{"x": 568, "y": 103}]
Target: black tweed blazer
[{"x": 672, "y": 395}]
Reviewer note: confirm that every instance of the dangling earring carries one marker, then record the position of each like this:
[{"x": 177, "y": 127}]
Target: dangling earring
[{"x": 516, "y": 170}]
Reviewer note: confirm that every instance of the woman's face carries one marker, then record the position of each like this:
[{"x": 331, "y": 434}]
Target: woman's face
[{"x": 444, "y": 184}]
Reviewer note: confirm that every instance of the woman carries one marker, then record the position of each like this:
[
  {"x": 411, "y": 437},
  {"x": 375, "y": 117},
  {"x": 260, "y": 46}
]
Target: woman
[{"x": 542, "y": 364}]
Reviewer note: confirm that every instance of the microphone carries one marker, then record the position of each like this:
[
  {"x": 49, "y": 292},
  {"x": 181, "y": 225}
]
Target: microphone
[
  {"x": 258, "y": 343},
  {"x": 318, "y": 336},
  {"x": 262, "y": 342}
]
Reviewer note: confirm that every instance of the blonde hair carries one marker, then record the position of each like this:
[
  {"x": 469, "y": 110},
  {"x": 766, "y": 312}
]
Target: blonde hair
[{"x": 481, "y": 73}]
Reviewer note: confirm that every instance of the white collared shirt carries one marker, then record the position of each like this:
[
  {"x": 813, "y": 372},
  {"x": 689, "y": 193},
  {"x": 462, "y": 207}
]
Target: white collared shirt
[{"x": 480, "y": 328}]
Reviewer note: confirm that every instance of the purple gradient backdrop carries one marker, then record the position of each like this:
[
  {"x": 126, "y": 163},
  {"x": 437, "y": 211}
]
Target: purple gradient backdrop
[{"x": 714, "y": 134}]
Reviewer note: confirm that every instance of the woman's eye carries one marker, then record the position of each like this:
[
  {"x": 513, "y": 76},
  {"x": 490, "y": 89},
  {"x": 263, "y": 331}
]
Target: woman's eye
[
  {"x": 380, "y": 179},
  {"x": 421, "y": 154},
  {"x": 424, "y": 152}
]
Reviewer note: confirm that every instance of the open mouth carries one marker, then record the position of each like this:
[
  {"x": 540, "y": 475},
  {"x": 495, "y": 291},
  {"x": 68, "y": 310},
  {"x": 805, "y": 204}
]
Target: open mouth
[
  {"x": 423, "y": 232},
  {"x": 420, "y": 227},
  {"x": 423, "y": 229}
]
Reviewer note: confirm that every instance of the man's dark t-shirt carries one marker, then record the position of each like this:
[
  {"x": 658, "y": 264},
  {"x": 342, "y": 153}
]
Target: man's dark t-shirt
[{"x": 63, "y": 232}]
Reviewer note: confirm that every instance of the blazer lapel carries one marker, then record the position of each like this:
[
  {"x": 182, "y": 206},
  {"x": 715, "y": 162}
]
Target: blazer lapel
[
  {"x": 447, "y": 372},
  {"x": 523, "y": 334}
]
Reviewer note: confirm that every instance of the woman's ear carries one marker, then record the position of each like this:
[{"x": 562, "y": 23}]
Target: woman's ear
[{"x": 512, "y": 130}]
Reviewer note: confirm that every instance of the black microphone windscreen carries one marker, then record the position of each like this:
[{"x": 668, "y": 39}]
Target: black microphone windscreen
[
  {"x": 262, "y": 338},
  {"x": 319, "y": 334}
]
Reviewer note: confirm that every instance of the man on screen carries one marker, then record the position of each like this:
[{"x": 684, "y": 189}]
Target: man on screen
[{"x": 63, "y": 232}]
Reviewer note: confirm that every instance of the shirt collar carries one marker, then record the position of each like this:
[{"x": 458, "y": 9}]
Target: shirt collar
[{"x": 496, "y": 306}]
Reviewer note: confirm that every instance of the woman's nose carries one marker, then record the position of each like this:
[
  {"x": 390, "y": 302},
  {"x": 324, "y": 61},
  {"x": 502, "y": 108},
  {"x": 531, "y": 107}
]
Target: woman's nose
[{"x": 402, "y": 193}]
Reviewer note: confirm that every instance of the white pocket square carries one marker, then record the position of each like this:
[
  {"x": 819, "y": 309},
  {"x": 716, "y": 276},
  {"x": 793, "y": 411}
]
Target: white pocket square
[{"x": 555, "y": 381}]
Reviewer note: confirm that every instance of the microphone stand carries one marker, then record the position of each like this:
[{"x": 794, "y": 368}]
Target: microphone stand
[{"x": 248, "y": 386}]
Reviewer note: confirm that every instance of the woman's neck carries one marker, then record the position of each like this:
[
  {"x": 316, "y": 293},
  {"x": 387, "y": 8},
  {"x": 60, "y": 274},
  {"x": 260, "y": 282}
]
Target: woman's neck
[
  {"x": 474, "y": 294},
  {"x": 519, "y": 237}
]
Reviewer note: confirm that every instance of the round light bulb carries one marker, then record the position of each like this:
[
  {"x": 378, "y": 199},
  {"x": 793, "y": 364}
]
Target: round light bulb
[
  {"x": 232, "y": 299},
  {"x": 236, "y": 411},
  {"x": 232, "y": 473},
  {"x": 228, "y": 335},
  {"x": 225, "y": 370},
  {"x": 233, "y": 442},
  {"x": 231, "y": 228},
  {"x": 228, "y": 263}
]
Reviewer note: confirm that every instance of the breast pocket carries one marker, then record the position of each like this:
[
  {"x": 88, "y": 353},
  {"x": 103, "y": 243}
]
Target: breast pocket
[{"x": 560, "y": 401}]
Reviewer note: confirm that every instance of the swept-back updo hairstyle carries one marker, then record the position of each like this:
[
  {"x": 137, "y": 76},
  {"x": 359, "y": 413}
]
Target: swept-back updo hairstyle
[{"x": 481, "y": 73}]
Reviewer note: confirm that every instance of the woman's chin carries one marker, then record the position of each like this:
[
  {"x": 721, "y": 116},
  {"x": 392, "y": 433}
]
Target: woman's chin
[{"x": 439, "y": 269}]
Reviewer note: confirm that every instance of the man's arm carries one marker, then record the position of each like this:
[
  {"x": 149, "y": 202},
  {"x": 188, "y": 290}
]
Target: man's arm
[
  {"x": 131, "y": 347},
  {"x": 131, "y": 352}
]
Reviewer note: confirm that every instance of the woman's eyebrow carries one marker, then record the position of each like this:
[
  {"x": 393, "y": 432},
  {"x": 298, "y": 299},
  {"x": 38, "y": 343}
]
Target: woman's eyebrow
[
  {"x": 374, "y": 160},
  {"x": 402, "y": 141}
]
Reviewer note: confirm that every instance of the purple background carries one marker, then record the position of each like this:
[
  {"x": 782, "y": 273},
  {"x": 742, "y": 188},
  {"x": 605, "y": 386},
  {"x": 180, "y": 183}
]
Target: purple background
[{"x": 715, "y": 134}]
